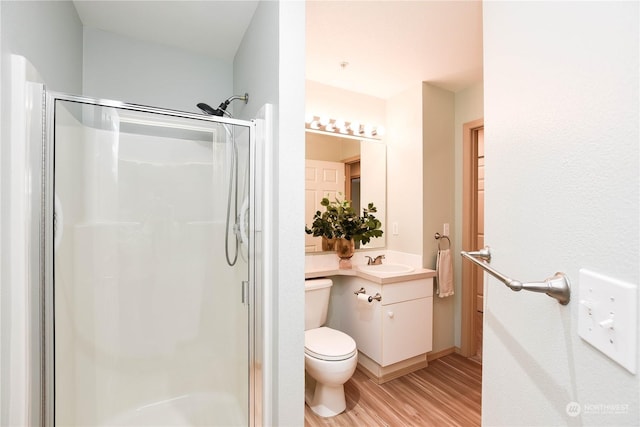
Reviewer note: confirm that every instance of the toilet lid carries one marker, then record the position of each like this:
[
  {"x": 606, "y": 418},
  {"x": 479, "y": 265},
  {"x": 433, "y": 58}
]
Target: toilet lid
[{"x": 328, "y": 344}]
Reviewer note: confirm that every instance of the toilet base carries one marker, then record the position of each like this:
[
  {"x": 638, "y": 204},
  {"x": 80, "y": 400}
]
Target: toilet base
[{"x": 324, "y": 400}]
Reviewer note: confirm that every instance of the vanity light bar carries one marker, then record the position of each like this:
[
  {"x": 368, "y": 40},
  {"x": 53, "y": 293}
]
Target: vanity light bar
[{"x": 340, "y": 127}]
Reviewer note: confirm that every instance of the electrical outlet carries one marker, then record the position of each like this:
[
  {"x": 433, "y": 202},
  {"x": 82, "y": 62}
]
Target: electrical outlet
[
  {"x": 445, "y": 229},
  {"x": 394, "y": 229}
]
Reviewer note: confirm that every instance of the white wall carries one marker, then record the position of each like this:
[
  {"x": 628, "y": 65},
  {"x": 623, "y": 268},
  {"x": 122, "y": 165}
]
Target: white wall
[
  {"x": 139, "y": 72},
  {"x": 404, "y": 170},
  {"x": 270, "y": 66},
  {"x": 338, "y": 103},
  {"x": 49, "y": 36},
  {"x": 438, "y": 113},
  {"x": 562, "y": 193},
  {"x": 469, "y": 106},
  {"x": 290, "y": 199}
]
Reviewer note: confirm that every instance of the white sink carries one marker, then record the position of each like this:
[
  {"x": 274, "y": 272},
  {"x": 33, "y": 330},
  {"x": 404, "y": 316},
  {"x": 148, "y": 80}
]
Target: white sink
[{"x": 387, "y": 268}]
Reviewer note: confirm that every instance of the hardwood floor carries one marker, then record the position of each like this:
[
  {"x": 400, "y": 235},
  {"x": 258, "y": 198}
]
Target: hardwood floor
[{"x": 446, "y": 393}]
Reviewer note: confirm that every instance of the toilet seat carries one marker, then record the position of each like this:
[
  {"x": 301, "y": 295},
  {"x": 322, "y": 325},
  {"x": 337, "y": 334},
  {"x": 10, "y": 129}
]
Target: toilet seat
[{"x": 328, "y": 344}]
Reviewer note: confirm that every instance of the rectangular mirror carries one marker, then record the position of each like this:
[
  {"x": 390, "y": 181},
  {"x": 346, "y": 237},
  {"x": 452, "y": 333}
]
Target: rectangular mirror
[{"x": 355, "y": 167}]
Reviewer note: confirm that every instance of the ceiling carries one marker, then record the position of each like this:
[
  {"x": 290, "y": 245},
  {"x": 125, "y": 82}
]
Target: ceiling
[
  {"x": 209, "y": 27},
  {"x": 388, "y": 45}
]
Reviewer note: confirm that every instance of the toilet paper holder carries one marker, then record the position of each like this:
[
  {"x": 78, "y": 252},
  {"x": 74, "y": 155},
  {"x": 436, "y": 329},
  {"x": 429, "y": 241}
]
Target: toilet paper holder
[{"x": 370, "y": 298}]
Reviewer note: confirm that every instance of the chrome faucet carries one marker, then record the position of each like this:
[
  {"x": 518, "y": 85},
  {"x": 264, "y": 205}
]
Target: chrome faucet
[{"x": 375, "y": 261}]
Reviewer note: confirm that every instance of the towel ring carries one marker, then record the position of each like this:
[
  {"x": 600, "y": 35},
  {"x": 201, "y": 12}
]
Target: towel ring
[{"x": 440, "y": 237}]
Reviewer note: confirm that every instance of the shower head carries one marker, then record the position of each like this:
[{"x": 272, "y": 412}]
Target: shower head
[
  {"x": 207, "y": 109},
  {"x": 222, "y": 108}
]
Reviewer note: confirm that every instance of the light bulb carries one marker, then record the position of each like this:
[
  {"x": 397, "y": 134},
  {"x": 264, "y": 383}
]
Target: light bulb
[
  {"x": 368, "y": 129},
  {"x": 330, "y": 127}
]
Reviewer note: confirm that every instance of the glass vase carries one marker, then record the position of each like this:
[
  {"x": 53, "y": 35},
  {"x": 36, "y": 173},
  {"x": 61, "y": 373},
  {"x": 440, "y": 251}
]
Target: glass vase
[{"x": 345, "y": 250}]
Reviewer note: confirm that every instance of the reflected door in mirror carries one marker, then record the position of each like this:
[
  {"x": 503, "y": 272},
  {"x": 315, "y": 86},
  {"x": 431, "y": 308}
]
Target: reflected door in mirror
[{"x": 322, "y": 179}]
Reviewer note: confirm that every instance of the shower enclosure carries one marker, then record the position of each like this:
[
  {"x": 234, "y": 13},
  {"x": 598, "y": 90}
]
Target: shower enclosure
[{"x": 148, "y": 278}]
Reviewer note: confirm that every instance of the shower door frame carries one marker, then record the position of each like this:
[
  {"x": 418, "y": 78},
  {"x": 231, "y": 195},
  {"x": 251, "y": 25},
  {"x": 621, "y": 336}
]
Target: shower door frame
[{"x": 45, "y": 325}]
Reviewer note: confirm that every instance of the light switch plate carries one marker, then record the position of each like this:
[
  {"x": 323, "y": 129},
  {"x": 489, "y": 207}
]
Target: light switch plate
[{"x": 607, "y": 316}]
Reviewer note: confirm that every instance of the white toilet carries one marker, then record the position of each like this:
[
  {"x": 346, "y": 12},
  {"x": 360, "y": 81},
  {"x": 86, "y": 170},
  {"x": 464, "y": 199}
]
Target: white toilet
[{"x": 330, "y": 356}]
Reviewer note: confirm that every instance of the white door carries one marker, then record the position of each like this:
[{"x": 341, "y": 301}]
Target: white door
[{"x": 322, "y": 179}]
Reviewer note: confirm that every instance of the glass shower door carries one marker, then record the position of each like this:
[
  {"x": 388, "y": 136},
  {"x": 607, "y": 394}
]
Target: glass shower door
[{"x": 151, "y": 322}]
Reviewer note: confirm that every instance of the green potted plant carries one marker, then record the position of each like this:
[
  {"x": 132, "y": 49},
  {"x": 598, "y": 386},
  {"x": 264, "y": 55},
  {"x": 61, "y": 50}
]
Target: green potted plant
[{"x": 341, "y": 222}]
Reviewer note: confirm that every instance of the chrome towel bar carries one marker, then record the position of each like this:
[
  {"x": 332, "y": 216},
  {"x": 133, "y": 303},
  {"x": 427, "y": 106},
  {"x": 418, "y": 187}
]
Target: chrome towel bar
[{"x": 556, "y": 286}]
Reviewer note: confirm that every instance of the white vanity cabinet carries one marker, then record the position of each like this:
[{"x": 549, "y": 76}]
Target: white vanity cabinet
[
  {"x": 406, "y": 330},
  {"x": 394, "y": 334}
]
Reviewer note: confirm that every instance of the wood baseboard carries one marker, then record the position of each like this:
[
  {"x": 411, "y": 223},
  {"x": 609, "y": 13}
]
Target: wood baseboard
[
  {"x": 393, "y": 375},
  {"x": 381, "y": 375},
  {"x": 438, "y": 354}
]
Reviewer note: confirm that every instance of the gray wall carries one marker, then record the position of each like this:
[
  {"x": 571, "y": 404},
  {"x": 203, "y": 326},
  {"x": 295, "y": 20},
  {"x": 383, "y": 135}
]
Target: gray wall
[{"x": 139, "y": 72}]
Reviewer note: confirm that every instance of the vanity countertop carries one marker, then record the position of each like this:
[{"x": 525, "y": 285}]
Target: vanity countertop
[{"x": 383, "y": 279}]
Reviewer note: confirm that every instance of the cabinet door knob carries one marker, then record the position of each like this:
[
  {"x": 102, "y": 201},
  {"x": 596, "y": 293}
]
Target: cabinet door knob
[{"x": 390, "y": 314}]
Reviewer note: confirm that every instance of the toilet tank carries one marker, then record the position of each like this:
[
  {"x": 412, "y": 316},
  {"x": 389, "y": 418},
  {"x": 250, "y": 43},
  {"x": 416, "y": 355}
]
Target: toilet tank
[{"x": 316, "y": 302}]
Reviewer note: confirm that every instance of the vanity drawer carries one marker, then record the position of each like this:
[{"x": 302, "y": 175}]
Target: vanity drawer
[{"x": 404, "y": 291}]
